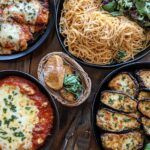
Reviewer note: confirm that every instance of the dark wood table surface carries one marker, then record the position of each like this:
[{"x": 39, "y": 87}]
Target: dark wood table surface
[{"x": 30, "y": 63}]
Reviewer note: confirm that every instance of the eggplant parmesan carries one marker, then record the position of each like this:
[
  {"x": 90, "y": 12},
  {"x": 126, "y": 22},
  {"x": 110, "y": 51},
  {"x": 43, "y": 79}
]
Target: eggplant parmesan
[
  {"x": 124, "y": 82},
  {"x": 144, "y": 107},
  {"x": 127, "y": 141},
  {"x": 115, "y": 122},
  {"x": 20, "y": 21},
  {"x": 26, "y": 117},
  {"x": 144, "y": 78},
  {"x": 136, "y": 115},
  {"x": 144, "y": 95},
  {"x": 13, "y": 37},
  {"x": 146, "y": 125},
  {"x": 119, "y": 101}
]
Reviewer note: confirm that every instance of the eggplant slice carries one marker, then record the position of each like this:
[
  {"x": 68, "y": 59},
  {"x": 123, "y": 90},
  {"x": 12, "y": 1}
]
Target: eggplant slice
[
  {"x": 146, "y": 125},
  {"x": 144, "y": 107},
  {"x": 144, "y": 78},
  {"x": 109, "y": 120},
  {"x": 144, "y": 95},
  {"x": 124, "y": 82},
  {"x": 127, "y": 141},
  {"x": 119, "y": 101},
  {"x": 136, "y": 115}
]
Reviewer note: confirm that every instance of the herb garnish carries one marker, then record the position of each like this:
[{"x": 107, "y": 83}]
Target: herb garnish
[{"x": 72, "y": 83}]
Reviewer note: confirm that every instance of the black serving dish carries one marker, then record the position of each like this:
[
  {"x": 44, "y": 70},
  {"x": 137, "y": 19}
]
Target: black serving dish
[
  {"x": 37, "y": 42},
  {"x": 49, "y": 140},
  {"x": 59, "y": 7},
  {"x": 132, "y": 68}
]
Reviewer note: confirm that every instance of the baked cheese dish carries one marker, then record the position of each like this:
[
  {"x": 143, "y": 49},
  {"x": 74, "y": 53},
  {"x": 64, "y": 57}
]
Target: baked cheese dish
[
  {"x": 26, "y": 117},
  {"x": 20, "y": 20},
  {"x": 119, "y": 101},
  {"x": 127, "y": 141},
  {"x": 144, "y": 107},
  {"x": 115, "y": 122},
  {"x": 124, "y": 82}
]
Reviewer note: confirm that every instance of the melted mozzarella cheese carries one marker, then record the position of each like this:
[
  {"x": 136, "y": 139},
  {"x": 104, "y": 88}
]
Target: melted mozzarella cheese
[
  {"x": 128, "y": 141},
  {"x": 18, "y": 116},
  {"x": 29, "y": 10},
  {"x": 9, "y": 33},
  {"x": 115, "y": 121}
]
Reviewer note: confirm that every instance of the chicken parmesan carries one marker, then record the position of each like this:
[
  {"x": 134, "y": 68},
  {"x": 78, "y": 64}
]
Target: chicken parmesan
[
  {"x": 20, "y": 21},
  {"x": 26, "y": 116},
  {"x": 27, "y": 12},
  {"x": 13, "y": 37}
]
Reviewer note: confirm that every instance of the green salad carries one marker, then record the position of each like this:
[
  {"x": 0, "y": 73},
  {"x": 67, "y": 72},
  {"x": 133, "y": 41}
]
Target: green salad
[{"x": 138, "y": 10}]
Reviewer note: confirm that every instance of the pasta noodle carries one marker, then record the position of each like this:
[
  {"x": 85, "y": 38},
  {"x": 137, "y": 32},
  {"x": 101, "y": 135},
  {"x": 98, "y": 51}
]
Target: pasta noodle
[{"x": 96, "y": 37}]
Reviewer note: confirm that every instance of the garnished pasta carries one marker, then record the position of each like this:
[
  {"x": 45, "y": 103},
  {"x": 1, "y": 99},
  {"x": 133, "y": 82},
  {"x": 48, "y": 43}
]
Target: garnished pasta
[{"x": 96, "y": 37}]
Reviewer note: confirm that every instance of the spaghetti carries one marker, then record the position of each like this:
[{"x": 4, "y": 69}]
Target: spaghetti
[{"x": 96, "y": 37}]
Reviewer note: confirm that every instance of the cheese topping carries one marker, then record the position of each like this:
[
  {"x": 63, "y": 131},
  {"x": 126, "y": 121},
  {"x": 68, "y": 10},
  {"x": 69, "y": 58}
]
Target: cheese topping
[
  {"x": 29, "y": 10},
  {"x": 9, "y": 33},
  {"x": 145, "y": 77},
  {"x": 146, "y": 124},
  {"x": 18, "y": 116},
  {"x": 119, "y": 102},
  {"x": 129, "y": 141},
  {"x": 124, "y": 83},
  {"x": 115, "y": 121},
  {"x": 144, "y": 107}
]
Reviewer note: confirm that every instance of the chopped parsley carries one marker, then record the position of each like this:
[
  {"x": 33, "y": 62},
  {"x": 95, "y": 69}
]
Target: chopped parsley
[
  {"x": 19, "y": 134},
  {"x": 111, "y": 101},
  {"x": 127, "y": 120}
]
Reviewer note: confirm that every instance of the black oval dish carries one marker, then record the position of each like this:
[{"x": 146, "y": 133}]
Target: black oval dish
[
  {"x": 103, "y": 86},
  {"x": 41, "y": 37},
  {"x": 48, "y": 142},
  {"x": 58, "y": 9}
]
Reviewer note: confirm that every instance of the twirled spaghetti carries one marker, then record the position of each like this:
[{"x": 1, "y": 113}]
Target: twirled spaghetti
[{"x": 96, "y": 37}]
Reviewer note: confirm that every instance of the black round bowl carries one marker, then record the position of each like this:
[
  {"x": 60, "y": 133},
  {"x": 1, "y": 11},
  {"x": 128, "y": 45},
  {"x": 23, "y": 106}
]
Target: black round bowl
[
  {"x": 103, "y": 86},
  {"x": 49, "y": 141},
  {"x": 58, "y": 8},
  {"x": 39, "y": 40}
]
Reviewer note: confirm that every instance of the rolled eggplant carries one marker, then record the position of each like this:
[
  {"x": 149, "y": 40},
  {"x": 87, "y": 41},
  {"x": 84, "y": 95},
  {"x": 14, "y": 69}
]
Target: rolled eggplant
[
  {"x": 109, "y": 120},
  {"x": 144, "y": 78},
  {"x": 127, "y": 141},
  {"x": 146, "y": 125},
  {"x": 119, "y": 101},
  {"x": 124, "y": 82},
  {"x": 144, "y": 107},
  {"x": 144, "y": 95}
]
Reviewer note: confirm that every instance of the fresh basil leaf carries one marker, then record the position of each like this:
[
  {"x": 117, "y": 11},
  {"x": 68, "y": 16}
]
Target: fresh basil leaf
[{"x": 72, "y": 83}]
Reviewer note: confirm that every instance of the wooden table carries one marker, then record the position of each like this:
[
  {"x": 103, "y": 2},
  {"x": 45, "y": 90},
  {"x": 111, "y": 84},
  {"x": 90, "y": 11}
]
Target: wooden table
[{"x": 29, "y": 64}]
